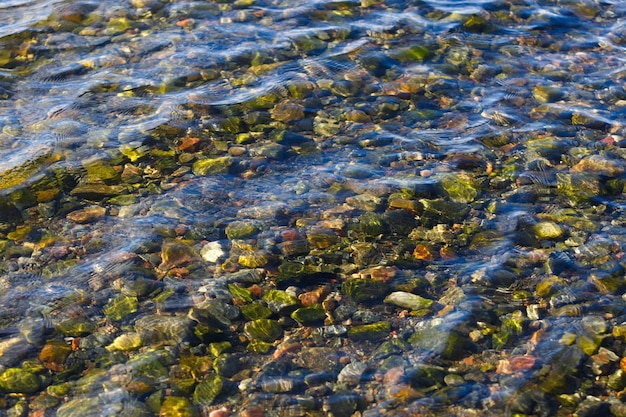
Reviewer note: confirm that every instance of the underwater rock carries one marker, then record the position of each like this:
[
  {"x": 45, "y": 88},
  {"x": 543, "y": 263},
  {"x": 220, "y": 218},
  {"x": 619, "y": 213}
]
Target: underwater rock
[
  {"x": 256, "y": 311},
  {"x": 17, "y": 380},
  {"x": 212, "y": 252},
  {"x": 352, "y": 373},
  {"x": 365, "y": 289},
  {"x": 125, "y": 342},
  {"x": 211, "y": 166},
  {"x": 309, "y": 315},
  {"x": 87, "y": 215},
  {"x": 280, "y": 302},
  {"x": 53, "y": 355},
  {"x": 241, "y": 229},
  {"x": 265, "y": 330},
  {"x": 121, "y": 307},
  {"x": 207, "y": 390},
  {"x": 177, "y": 407},
  {"x": 372, "y": 331},
  {"x": 170, "y": 330},
  {"x": 408, "y": 300}
]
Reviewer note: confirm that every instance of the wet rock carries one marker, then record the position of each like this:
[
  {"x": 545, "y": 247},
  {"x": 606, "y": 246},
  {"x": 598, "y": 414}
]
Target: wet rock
[
  {"x": 365, "y": 290},
  {"x": 256, "y": 311},
  {"x": 53, "y": 355},
  {"x": 461, "y": 188},
  {"x": 177, "y": 407},
  {"x": 321, "y": 237},
  {"x": 352, "y": 373},
  {"x": 212, "y": 166},
  {"x": 309, "y": 315},
  {"x": 280, "y": 302},
  {"x": 278, "y": 384},
  {"x": 214, "y": 313},
  {"x": 547, "y": 230},
  {"x": 75, "y": 327},
  {"x": 212, "y": 252},
  {"x": 371, "y": 224},
  {"x": 342, "y": 404},
  {"x": 593, "y": 407},
  {"x": 87, "y": 215},
  {"x": 436, "y": 337},
  {"x": 121, "y": 307},
  {"x": 533, "y": 402},
  {"x": 287, "y": 111},
  {"x": 547, "y": 94},
  {"x": 125, "y": 342},
  {"x": 371, "y": 331},
  {"x": 408, "y": 300},
  {"x": 98, "y": 192},
  {"x": 601, "y": 165},
  {"x": 17, "y": 380},
  {"x": 170, "y": 330},
  {"x": 241, "y": 229},
  {"x": 440, "y": 211},
  {"x": 207, "y": 390},
  {"x": 265, "y": 330},
  {"x": 319, "y": 359},
  {"x": 176, "y": 253},
  {"x": 13, "y": 349}
]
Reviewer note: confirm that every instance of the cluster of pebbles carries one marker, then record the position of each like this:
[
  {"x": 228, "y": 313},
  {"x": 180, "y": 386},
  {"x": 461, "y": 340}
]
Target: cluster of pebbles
[{"x": 336, "y": 209}]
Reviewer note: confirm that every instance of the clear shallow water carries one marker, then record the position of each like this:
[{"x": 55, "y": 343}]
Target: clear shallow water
[{"x": 153, "y": 152}]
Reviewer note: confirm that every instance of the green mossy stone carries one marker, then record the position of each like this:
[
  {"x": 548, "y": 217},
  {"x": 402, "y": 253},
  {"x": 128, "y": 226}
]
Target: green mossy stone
[
  {"x": 415, "y": 53},
  {"x": 253, "y": 260},
  {"x": 17, "y": 380},
  {"x": 440, "y": 211},
  {"x": 241, "y": 230},
  {"x": 125, "y": 342},
  {"x": 177, "y": 407},
  {"x": 256, "y": 311},
  {"x": 123, "y": 200},
  {"x": 121, "y": 307},
  {"x": 408, "y": 300},
  {"x": 371, "y": 224},
  {"x": 150, "y": 365},
  {"x": 461, "y": 188},
  {"x": 79, "y": 407},
  {"x": 75, "y": 327},
  {"x": 258, "y": 346},
  {"x": 207, "y": 390},
  {"x": 365, "y": 289},
  {"x": 477, "y": 24},
  {"x": 241, "y": 293},
  {"x": 97, "y": 192},
  {"x": 217, "y": 348},
  {"x": 547, "y": 94},
  {"x": 547, "y": 230},
  {"x": 170, "y": 330},
  {"x": 372, "y": 331},
  {"x": 100, "y": 172},
  {"x": 211, "y": 166},
  {"x": 563, "y": 375},
  {"x": 309, "y": 315},
  {"x": 439, "y": 340},
  {"x": 280, "y": 302},
  {"x": 265, "y": 330},
  {"x": 579, "y": 187}
]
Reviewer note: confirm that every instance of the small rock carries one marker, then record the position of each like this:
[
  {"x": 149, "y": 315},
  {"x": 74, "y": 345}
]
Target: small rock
[
  {"x": 87, "y": 215},
  {"x": 212, "y": 252},
  {"x": 408, "y": 300},
  {"x": 352, "y": 373}
]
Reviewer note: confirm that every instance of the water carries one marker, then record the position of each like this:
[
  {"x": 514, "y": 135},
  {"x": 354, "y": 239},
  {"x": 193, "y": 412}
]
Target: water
[{"x": 168, "y": 166}]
